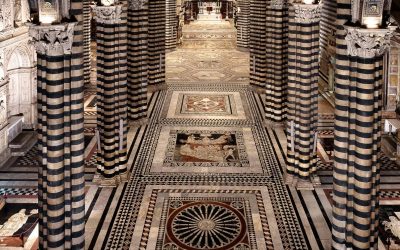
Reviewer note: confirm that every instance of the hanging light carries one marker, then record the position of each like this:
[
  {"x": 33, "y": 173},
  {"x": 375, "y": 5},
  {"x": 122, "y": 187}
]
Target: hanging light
[
  {"x": 372, "y": 13},
  {"x": 49, "y": 11},
  {"x": 308, "y": 1},
  {"x": 107, "y": 2}
]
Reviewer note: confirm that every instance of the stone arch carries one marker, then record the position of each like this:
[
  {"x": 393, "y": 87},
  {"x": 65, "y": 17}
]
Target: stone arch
[{"x": 22, "y": 86}]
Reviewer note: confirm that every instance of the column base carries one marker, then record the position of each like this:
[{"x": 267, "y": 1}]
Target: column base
[
  {"x": 272, "y": 124},
  {"x": 139, "y": 122},
  {"x": 257, "y": 89},
  {"x": 157, "y": 87},
  {"x": 298, "y": 183},
  {"x": 110, "y": 182}
]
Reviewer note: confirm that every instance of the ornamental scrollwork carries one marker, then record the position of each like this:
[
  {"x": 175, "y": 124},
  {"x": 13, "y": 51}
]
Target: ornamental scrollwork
[
  {"x": 52, "y": 39},
  {"x": 367, "y": 43},
  {"x": 307, "y": 13},
  {"x": 108, "y": 14}
]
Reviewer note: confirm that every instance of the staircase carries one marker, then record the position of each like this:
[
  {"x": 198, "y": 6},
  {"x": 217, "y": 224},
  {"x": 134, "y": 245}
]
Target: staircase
[{"x": 21, "y": 144}]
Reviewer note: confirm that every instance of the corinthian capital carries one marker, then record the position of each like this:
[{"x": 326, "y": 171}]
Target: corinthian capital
[
  {"x": 307, "y": 13},
  {"x": 108, "y": 14},
  {"x": 52, "y": 39},
  {"x": 136, "y": 4},
  {"x": 368, "y": 43},
  {"x": 279, "y": 4}
]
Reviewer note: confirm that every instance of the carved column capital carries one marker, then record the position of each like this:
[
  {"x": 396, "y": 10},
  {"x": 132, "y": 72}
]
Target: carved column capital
[
  {"x": 307, "y": 13},
  {"x": 279, "y": 4},
  {"x": 136, "y": 4},
  {"x": 108, "y": 14},
  {"x": 53, "y": 39},
  {"x": 367, "y": 43}
]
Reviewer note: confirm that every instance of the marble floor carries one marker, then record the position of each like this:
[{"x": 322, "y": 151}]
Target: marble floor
[{"x": 205, "y": 173}]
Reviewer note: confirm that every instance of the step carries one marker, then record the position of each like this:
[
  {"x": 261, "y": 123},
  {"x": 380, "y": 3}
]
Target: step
[
  {"x": 21, "y": 140},
  {"x": 25, "y": 149}
]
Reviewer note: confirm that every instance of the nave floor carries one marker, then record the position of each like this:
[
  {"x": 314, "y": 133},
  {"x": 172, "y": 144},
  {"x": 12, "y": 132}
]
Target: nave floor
[{"x": 205, "y": 173}]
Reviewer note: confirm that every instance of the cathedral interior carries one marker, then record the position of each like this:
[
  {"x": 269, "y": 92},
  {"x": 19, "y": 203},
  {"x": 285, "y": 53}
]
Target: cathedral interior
[{"x": 200, "y": 124}]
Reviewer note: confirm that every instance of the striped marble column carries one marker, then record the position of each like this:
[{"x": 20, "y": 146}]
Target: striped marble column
[
  {"x": 111, "y": 37},
  {"x": 276, "y": 53},
  {"x": 60, "y": 128},
  {"x": 137, "y": 60},
  {"x": 86, "y": 41},
  {"x": 302, "y": 102},
  {"x": 358, "y": 106},
  {"x": 170, "y": 25},
  {"x": 156, "y": 44},
  {"x": 243, "y": 24},
  {"x": 257, "y": 44}
]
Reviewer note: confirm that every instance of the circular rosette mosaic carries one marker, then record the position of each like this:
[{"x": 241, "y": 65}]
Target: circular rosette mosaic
[{"x": 206, "y": 225}]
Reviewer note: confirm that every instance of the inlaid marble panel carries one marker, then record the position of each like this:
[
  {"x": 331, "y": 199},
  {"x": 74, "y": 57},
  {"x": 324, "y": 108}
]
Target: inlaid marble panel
[
  {"x": 212, "y": 149},
  {"x": 189, "y": 217},
  {"x": 210, "y": 105}
]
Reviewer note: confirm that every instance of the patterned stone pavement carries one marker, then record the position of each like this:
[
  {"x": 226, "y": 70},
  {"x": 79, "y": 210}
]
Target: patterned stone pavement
[{"x": 204, "y": 171}]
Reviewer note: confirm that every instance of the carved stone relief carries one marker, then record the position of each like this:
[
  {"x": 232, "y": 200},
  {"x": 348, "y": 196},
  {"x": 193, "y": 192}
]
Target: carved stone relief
[
  {"x": 107, "y": 14},
  {"x": 137, "y": 4},
  {"x": 6, "y": 14},
  {"x": 367, "y": 43},
  {"x": 53, "y": 39},
  {"x": 307, "y": 13},
  {"x": 279, "y": 4}
]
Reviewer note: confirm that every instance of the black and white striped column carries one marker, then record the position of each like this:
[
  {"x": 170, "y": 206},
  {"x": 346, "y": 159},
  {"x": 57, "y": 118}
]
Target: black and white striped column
[
  {"x": 156, "y": 44},
  {"x": 242, "y": 25},
  {"x": 137, "y": 60},
  {"x": 60, "y": 128},
  {"x": 358, "y": 106},
  {"x": 302, "y": 94},
  {"x": 170, "y": 25},
  {"x": 86, "y": 41},
  {"x": 276, "y": 53},
  {"x": 111, "y": 37},
  {"x": 257, "y": 44}
]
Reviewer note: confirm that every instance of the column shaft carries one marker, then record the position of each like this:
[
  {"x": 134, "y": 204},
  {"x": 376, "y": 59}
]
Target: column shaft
[
  {"x": 112, "y": 95},
  {"x": 302, "y": 92},
  {"x": 243, "y": 24},
  {"x": 276, "y": 53},
  {"x": 170, "y": 25},
  {"x": 137, "y": 62},
  {"x": 257, "y": 43},
  {"x": 156, "y": 43},
  {"x": 60, "y": 128},
  {"x": 358, "y": 106}
]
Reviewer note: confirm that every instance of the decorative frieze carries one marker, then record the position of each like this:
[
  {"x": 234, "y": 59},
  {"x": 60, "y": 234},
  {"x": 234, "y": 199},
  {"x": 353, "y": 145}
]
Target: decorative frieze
[
  {"x": 367, "y": 43},
  {"x": 107, "y": 14},
  {"x": 307, "y": 13},
  {"x": 53, "y": 39},
  {"x": 279, "y": 4},
  {"x": 136, "y": 4}
]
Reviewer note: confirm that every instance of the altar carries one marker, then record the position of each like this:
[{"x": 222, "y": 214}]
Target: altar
[{"x": 209, "y": 11}]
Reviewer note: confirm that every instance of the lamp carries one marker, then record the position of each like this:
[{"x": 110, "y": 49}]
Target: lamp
[
  {"x": 372, "y": 13},
  {"x": 308, "y": 1},
  {"x": 107, "y": 2},
  {"x": 49, "y": 11}
]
